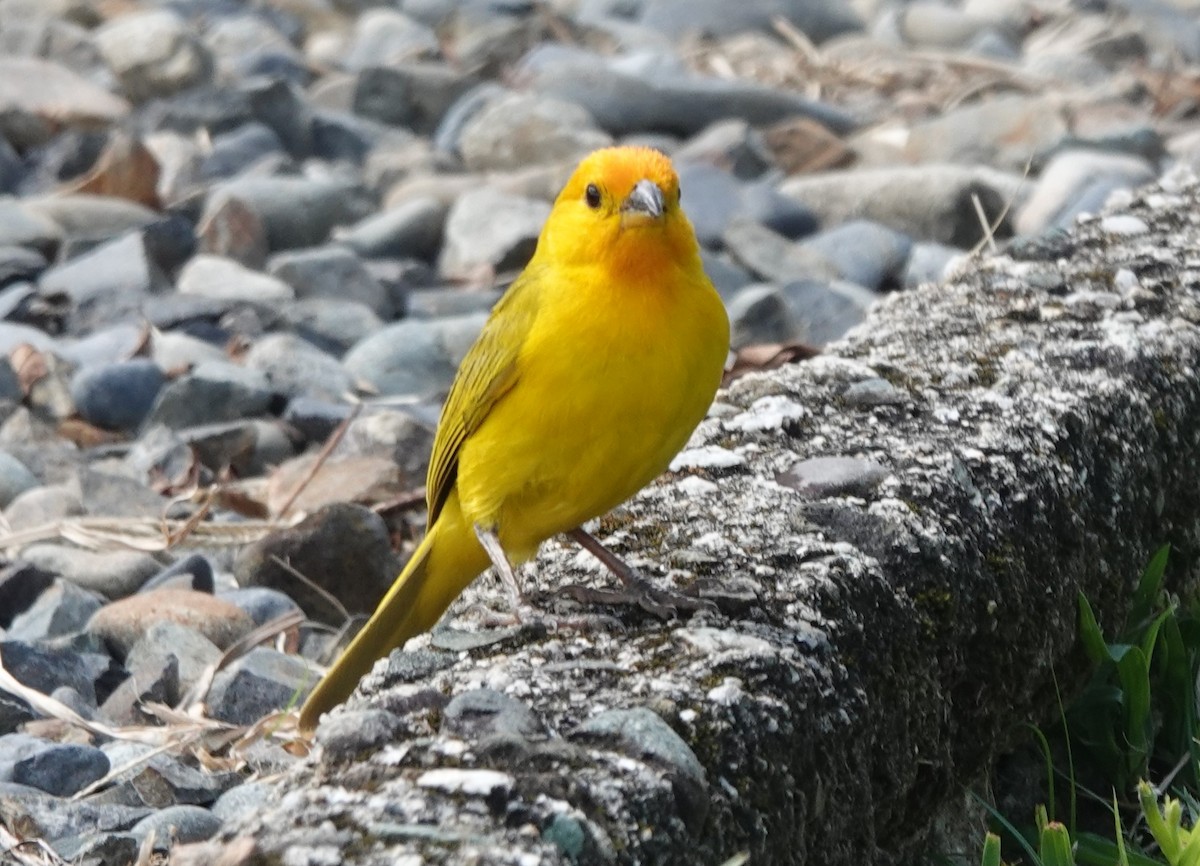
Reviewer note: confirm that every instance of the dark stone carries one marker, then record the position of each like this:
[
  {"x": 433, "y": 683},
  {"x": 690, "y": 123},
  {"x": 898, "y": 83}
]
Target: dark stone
[
  {"x": 259, "y": 683},
  {"x": 344, "y": 549},
  {"x": 483, "y": 712}
]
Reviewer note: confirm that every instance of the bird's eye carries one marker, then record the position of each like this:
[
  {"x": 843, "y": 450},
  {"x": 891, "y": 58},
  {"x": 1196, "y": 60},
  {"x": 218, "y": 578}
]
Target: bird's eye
[{"x": 592, "y": 196}]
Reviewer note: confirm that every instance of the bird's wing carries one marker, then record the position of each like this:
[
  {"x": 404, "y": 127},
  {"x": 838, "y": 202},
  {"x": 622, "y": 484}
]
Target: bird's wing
[{"x": 487, "y": 372}]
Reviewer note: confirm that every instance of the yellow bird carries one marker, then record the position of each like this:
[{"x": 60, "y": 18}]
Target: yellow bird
[{"x": 589, "y": 376}]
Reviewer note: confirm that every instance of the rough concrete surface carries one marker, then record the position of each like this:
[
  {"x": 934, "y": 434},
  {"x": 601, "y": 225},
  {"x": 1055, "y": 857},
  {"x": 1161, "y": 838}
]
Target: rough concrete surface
[{"x": 876, "y": 638}]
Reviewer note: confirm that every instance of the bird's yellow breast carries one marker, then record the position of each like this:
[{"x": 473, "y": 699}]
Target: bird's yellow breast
[{"x": 613, "y": 377}]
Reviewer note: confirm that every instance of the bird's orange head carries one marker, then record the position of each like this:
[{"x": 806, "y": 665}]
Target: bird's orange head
[{"x": 620, "y": 210}]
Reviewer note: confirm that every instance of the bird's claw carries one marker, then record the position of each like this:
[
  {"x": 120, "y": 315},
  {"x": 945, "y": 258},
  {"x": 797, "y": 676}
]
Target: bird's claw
[{"x": 662, "y": 603}]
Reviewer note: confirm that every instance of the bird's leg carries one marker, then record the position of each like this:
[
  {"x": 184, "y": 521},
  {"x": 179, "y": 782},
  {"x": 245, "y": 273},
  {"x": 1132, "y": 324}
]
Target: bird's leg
[
  {"x": 492, "y": 547},
  {"x": 638, "y": 590}
]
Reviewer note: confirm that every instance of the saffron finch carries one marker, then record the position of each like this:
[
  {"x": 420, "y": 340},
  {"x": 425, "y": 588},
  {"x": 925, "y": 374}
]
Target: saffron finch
[{"x": 589, "y": 376}]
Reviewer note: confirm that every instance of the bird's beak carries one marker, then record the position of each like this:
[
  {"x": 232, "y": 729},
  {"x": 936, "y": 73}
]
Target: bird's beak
[{"x": 643, "y": 204}]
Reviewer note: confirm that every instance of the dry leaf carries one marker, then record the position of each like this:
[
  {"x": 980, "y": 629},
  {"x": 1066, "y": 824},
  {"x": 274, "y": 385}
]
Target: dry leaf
[
  {"x": 30, "y": 366},
  {"x": 125, "y": 169},
  {"x": 801, "y": 145},
  {"x": 86, "y": 435}
]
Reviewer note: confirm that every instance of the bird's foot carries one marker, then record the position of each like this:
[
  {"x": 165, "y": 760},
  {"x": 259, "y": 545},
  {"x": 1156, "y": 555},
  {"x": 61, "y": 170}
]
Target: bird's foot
[{"x": 663, "y": 603}]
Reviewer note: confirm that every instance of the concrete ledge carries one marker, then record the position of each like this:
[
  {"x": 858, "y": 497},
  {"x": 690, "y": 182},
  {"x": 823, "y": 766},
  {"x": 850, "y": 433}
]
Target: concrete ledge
[{"x": 1027, "y": 432}]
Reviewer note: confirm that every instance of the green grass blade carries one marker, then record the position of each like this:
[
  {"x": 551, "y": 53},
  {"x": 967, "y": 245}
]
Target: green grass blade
[
  {"x": 1007, "y": 825},
  {"x": 1090, "y": 633},
  {"x": 1148, "y": 588},
  {"x": 991, "y": 851},
  {"x": 1056, "y": 846}
]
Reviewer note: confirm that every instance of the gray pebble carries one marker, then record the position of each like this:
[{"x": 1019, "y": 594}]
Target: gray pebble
[
  {"x": 296, "y": 367},
  {"x": 863, "y": 252},
  {"x": 411, "y": 229},
  {"x": 760, "y": 313},
  {"x": 262, "y": 603},
  {"x": 412, "y": 357},
  {"x": 825, "y": 310},
  {"x": 346, "y": 734},
  {"x": 112, "y": 573},
  {"x": 516, "y": 130},
  {"x": 483, "y": 712},
  {"x": 42, "y": 505},
  {"x": 153, "y": 53},
  {"x": 214, "y": 391},
  {"x": 106, "y": 285},
  {"x": 259, "y": 683},
  {"x": 60, "y": 769},
  {"x": 217, "y": 277},
  {"x": 63, "y": 608},
  {"x": 332, "y": 272},
  {"x": 490, "y": 230},
  {"x": 820, "y": 477},
  {"x": 189, "y": 572},
  {"x": 385, "y": 37},
  {"x": 182, "y": 824},
  {"x": 15, "y": 479},
  {"x": 343, "y": 549},
  {"x": 117, "y": 396},
  {"x": 295, "y": 211}
]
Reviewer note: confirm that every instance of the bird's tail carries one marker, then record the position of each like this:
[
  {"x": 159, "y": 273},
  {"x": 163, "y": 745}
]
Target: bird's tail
[{"x": 448, "y": 559}]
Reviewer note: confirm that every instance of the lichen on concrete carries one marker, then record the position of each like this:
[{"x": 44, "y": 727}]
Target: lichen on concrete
[{"x": 867, "y": 651}]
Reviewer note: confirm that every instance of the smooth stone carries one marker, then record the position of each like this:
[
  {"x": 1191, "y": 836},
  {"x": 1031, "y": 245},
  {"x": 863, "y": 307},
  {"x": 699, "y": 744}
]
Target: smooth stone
[
  {"x": 238, "y": 150},
  {"x": 332, "y": 272},
  {"x": 178, "y": 350},
  {"x": 711, "y": 197},
  {"x": 863, "y": 252},
  {"x": 284, "y": 108},
  {"x": 295, "y": 367},
  {"x": 412, "y": 229},
  {"x": 315, "y": 419},
  {"x": 727, "y": 276},
  {"x": 216, "y": 277},
  {"x": 108, "y": 494},
  {"x": 89, "y": 218},
  {"x": 41, "y": 505},
  {"x": 760, "y": 313},
  {"x": 153, "y": 53},
  {"x": 489, "y": 231},
  {"x": 243, "y": 800},
  {"x": 763, "y": 203},
  {"x": 295, "y": 211},
  {"x": 819, "y": 21},
  {"x": 166, "y": 643},
  {"x": 387, "y": 37},
  {"x": 1003, "y": 132},
  {"x": 399, "y": 435},
  {"x": 340, "y": 136},
  {"x": 480, "y": 713},
  {"x": 189, "y": 572},
  {"x": 60, "y": 769},
  {"x": 1057, "y": 197},
  {"x": 20, "y": 264},
  {"x": 259, "y": 683},
  {"x": 21, "y": 227},
  {"x": 821, "y": 477},
  {"x": 117, "y": 396},
  {"x": 928, "y": 263},
  {"x": 931, "y": 202},
  {"x": 15, "y": 479},
  {"x": 824, "y": 310},
  {"x": 461, "y": 112},
  {"x": 213, "y": 392},
  {"x": 166, "y": 781},
  {"x": 343, "y": 549},
  {"x": 53, "y": 818},
  {"x": 732, "y": 145},
  {"x": 221, "y": 446},
  {"x": 106, "y": 285},
  {"x": 114, "y": 343},
  {"x": 625, "y": 102},
  {"x": 45, "y": 670},
  {"x": 121, "y": 624},
  {"x": 98, "y": 849},
  {"x": 232, "y": 38},
  {"x": 413, "y": 357},
  {"x": 446, "y": 301},
  {"x": 262, "y": 603},
  {"x": 332, "y": 324},
  {"x": 63, "y": 608},
  {"x": 770, "y": 256},
  {"x": 49, "y": 90},
  {"x": 184, "y": 824},
  {"x": 516, "y": 130},
  {"x": 411, "y": 95},
  {"x": 347, "y": 734}
]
